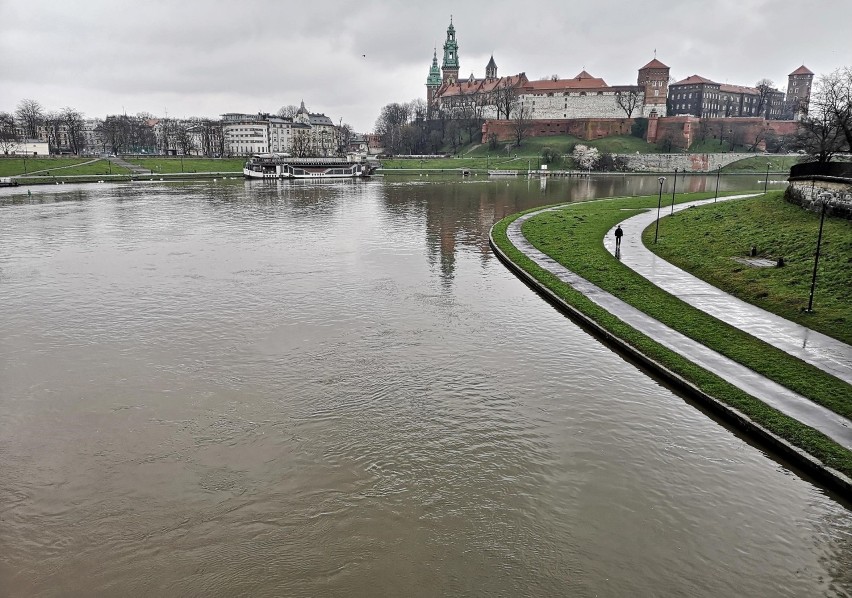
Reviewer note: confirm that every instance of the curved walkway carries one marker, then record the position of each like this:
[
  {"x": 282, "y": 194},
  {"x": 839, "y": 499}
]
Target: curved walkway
[
  {"x": 828, "y": 354},
  {"x": 784, "y": 400}
]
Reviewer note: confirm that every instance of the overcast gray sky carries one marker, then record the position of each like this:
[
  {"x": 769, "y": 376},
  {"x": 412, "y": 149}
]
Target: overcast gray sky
[{"x": 350, "y": 58}]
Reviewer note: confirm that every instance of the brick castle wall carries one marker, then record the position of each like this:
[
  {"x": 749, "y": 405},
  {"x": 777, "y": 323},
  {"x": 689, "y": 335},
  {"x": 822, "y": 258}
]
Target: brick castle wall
[
  {"x": 684, "y": 131},
  {"x": 584, "y": 128}
]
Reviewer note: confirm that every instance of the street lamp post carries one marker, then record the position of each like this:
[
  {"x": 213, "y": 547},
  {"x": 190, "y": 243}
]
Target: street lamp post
[
  {"x": 718, "y": 174},
  {"x": 674, "y": 186},
  {"x": 662, "y": 180},
  {"x": 181, "y": 163},
  {"x": 766, "y": 180},
  {"x": 824, "y": 199}
]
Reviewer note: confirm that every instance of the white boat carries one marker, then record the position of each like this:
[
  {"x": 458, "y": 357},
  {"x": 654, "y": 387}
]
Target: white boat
[
  {"x": 276, "y": 166},
  {"x": 502, "y": 173}
]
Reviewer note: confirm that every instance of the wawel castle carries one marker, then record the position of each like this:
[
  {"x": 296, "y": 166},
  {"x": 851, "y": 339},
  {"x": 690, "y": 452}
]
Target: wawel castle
[{"x": 585, "y": 96}]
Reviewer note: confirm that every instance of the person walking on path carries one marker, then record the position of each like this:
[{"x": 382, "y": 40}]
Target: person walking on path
[{"x": 618, "y": 234}]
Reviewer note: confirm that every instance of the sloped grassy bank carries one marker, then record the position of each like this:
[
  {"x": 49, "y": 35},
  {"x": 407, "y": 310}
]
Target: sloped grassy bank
[
  {"x": 572, "y": 235},
  {"x": 707, "y": 241}
]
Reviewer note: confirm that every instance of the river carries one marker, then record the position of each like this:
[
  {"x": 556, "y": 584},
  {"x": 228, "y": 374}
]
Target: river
[{"x": 227, "y": 388}]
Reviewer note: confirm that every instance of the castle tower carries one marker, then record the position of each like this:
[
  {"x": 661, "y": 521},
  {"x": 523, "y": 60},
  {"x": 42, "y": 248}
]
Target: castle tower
[
  {"x": 433, "y": 81},
  {"x": 491, "y": 69},
  {"x": 799, "y": 92},
  {"x": 450, "y": 67},
  {"x": 653, "y": 83}
]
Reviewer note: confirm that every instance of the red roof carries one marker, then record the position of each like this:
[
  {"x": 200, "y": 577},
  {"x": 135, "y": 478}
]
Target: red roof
[
  {"x": 802, "y": 70},
  {"x": 738, "y": 89},
  {"x": 583, "y": 75},
  {"x": 694, "y": 80},
  {"x": 654, "y": 64},
  {"x": 465, "y": 87},
  {"x": 562, "y": 84}
]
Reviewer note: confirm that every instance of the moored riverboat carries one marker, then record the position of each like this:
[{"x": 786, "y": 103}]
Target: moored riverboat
[
  {"x": 277, "y": 166},
  {"x": 8, "y": 182}
]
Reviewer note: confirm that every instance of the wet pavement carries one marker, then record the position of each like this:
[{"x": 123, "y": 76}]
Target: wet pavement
[
  {"x": 784, "y": 400},
  {"x": 819, "y": 350}
]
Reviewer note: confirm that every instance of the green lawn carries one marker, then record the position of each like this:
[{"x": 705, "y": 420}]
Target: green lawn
[
  {"x": 175, "y": 165},
  {"x": 712, "y": 146},
  {"x": 483, "y": 163},
  {"x": 532, "y": 146},
  {"x": 705, "y": 240},
  {"x": 572, "y": 236},
  {"x": 758, "y": 164},
  {"x": 56, "y": 167}
]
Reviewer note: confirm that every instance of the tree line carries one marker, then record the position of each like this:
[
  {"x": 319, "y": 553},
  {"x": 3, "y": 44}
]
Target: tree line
[
  {"x": 65, "y": 131},
  {"x": 416, "y": 128}
]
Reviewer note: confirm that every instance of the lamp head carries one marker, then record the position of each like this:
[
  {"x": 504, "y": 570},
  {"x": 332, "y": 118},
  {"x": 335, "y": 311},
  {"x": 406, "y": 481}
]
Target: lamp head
[{"x": 662, "y": 179}]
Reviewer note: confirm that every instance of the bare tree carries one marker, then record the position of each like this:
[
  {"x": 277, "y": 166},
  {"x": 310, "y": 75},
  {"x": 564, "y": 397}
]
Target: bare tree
[
  {"x": 628, "y": 100},
  {"x": 765, "y": 90},
  {"x": 521, "y": 123},
  {"x": 834, "y": 96},
  {"x": 344, "y": 134},
  {"x": 824, "y": 131},
  {"x": 389, "y": 125},
  {"x": 53, "y": 129},
  {"x": 505, "y": 97},
  {"x": 301, "y": 145},
  {"x": 288, "y": 111},
  {"x": 819, "y": 137},
  {"x": 166, "y": 129},
  {"x": 212, "y": 138},
  {"x": 72, "y": 122},
  {"x": 183, "y": 138},
  {"x": 8, "y": 133},
  {"x": 759, "y": 136},
  {"x": 30, "y": 115}
]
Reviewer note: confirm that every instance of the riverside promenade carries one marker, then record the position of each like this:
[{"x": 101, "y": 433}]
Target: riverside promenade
[
  {"x": 835, "y": 426},
  {"x": 821, "y": 351}
]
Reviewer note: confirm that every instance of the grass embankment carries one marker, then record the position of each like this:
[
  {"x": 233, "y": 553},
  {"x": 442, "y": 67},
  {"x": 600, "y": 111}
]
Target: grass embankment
[
  {"x": 573, "y": 236},
  {"x": 189, "y": 165},
  {"x": 757, "y": 164},
  {"x": 492, "y": 163},
  {"x": 481, "y": 157},
  {"x": 705, "y": 240},
  {"x": 57, "y": 167},
  {"x": 533, "y": 146}
]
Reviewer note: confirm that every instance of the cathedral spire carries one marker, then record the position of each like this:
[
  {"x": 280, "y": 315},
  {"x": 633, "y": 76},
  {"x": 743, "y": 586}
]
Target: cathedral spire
[
  {"x": 434, "y": 77},
  {"x": 491, "y": 69},
  {"x": 450, "y": 66}
]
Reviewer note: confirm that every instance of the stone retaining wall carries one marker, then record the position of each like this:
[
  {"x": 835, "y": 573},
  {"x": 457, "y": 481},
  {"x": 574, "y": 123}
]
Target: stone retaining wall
[
  {"x": 806, "y": 193},
  {"x": 683, "y": 162}
]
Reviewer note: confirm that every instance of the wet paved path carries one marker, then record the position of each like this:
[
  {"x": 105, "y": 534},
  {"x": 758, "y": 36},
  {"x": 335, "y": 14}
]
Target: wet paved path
[
  {"x": 786, "y": 401},
  {"x": 819, "y": 350}
]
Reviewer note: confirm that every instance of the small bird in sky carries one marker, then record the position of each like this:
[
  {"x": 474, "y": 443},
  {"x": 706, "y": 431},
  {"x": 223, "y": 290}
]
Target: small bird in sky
[{"x": 364, "y": 55}]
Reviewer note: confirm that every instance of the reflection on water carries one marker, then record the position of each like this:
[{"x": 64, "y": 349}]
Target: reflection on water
[{"x": 335, "y": 389}]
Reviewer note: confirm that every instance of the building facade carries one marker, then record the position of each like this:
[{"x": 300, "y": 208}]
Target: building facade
[
  {"x": 306, "y": 134},
  {"x": 799, "y": 84},
  {"x": 582, "y": 96},
  {"x": 704, "y": 98}
]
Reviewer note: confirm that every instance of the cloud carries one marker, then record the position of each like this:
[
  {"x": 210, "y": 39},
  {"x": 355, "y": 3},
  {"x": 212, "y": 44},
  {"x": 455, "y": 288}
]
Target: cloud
[{"x": 209, "y": 57}]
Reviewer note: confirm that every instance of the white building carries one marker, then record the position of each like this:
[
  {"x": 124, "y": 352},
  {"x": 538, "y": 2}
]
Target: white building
[
  {"x": 30, "y": 147},
  {"x": 306, "y": 134}
]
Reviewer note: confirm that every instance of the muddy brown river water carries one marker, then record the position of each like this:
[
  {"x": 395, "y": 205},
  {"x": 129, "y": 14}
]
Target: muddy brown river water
[{"x": 273, "y": 389}]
